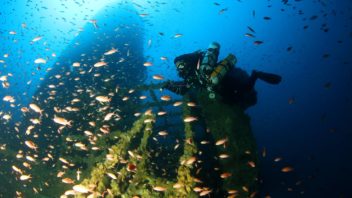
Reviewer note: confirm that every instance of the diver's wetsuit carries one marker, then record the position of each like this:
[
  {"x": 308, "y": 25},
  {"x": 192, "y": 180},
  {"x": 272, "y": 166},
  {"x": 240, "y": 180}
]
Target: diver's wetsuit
[
  {"x": 236, "y": 86},
  {"x": 200, "y": 70},
  {"x": 188, "y": 72}
]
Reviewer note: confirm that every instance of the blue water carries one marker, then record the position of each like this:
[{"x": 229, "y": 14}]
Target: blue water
[{"x": 306, "y": 119}]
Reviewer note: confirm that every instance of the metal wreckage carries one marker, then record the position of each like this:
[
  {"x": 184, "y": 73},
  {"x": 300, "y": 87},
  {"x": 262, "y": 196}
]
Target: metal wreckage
[{"x": 201, "y": 147}]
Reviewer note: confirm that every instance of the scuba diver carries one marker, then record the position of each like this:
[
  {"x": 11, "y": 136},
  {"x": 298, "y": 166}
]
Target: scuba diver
[{"x": 201, "y": 70}]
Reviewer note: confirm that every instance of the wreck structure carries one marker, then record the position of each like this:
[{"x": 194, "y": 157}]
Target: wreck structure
[{"x": 114, "y": 148}]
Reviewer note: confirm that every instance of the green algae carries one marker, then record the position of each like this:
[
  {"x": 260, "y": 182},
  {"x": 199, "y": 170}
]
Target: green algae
[{"x": 231, "y": 123}]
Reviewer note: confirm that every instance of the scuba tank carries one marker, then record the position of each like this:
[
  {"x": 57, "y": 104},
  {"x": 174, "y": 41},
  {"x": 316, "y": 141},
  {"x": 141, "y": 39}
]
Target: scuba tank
[{"x": 222, "y": 68}]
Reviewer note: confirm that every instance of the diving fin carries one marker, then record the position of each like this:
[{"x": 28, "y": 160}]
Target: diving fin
[{"x": 268, "y": 77}]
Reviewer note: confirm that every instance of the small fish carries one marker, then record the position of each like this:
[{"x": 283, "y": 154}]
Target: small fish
[
  {"x": 190, "y": 119},
  {"x": 161, "y": 113},
  {"x": 70, "y": 192},
  {"x": 30, "y": 158},
  {"x": 277, "y": 159},
  {"x": 249, "y": 35},
  {"x": 111, "y": 175},
  {"x": 80, "y": 188},
  {"x": 163, "y": 58},
  {"x": 204, "y": 142},
  {"x": 100, "y": 64},
  {"x": 158, "y": 77},
  {"x": 94, "y": 22},
  {"x": 40, "y": 61},
  {"x": 231, "y": 192},
  {"x": 177, "y": 185},
  {"x": 251, "y": 164},
  {"x": 125, "y": 98},
  {"x": 9, "y": 99},
  {"x": 251, "y": 29},
  {"x": 63, "y": 160},
  {"x": 15, "y": 168},
  {"x": 178, "y": 35},
  {"x": 221, "y": 142},
  {"x": 147, "y": 64},
  {"x": 223, "y": 156},
  {"x": 37, "y": 39},
  {"x": 142, "y": 97},
  {"x": 60, "y": 174},
  {"x": 79, "y": 144},
  {"x": 31, "y": 144},
  {"x": 191, "y": 104},
  {"x": 162, "y": 133},
  {"x": 67, "y": 180},
  {"x": 223, "y": 10},
  {"x": 165, "y": 98},
  {"x": 108, "y": 116},
  {"x": 131, "y": 153},
  {"x": 191, "y": 160},
  {"x": 197, "y": 189},
  {"x": 159, "y": 188},
  {"x": 6, "y": 116},
  {"x": 287, "y": 169},
  {"x": 205, "y": 192},
  {"x": 103, "y": 99},
  {"x": 258, "y": 42},
  {"x": 25, "y": 177},
  {"x": 62, "y": 121},
  {"x": 177, "y": 103},
  {"x": 35, "y": 121},
  {"x": 35, "y": 108},
  {"x": 112, "y": 51},
  {"x": 76, "y": 64},
  {"x": 225, "y": 175}
]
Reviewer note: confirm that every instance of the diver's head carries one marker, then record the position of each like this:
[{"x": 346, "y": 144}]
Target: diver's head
[
  {"x": 181, "y": 68},
  {"x": 214, "y": 46}
]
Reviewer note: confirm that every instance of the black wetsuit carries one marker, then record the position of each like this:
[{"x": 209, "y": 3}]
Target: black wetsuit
[{"x": 236, "y": 86}]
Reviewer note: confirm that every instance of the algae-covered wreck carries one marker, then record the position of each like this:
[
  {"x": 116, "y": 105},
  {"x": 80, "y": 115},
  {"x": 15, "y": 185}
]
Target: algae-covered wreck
[{"x": 97, "y": 136}]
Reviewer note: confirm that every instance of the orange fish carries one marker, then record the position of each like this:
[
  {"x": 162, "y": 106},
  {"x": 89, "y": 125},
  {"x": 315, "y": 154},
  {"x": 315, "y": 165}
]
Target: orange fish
[{"x": 286, "y": 169}]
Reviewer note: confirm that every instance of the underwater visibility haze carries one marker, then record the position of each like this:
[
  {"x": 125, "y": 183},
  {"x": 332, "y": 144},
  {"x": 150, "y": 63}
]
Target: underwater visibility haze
[{"x": 190, "y": 98}]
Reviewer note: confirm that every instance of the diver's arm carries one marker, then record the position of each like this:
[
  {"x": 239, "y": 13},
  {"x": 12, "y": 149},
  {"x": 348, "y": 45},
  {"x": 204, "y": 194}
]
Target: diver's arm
[{"x": 178, "y": 87}]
